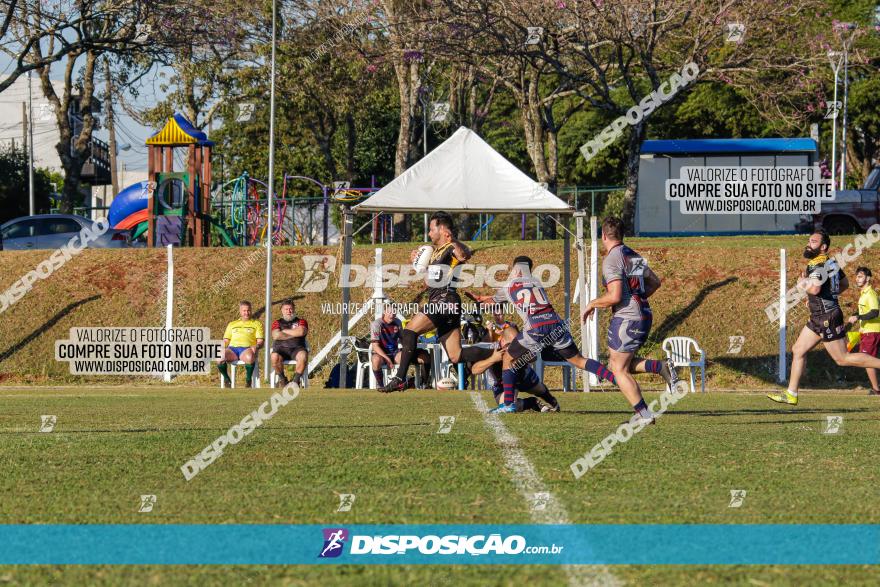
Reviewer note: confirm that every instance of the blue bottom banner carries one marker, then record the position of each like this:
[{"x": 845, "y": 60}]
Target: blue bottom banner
[{"x": 613, "y": 544}]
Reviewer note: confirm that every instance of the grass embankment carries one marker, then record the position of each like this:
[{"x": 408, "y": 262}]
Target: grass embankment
[{"x": 714, "y": 288}]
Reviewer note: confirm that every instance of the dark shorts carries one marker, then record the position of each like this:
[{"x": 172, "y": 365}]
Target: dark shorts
[
  {"x": 828, "y": 326},
  {"x": 555, "y": 338},
  {"x": 444, "y": 314},
  {"x": 869, "y": 343},
  {"x": 526, "y": 380},
  {"x": 287, "y": 352},
  {"x": 628, "y": 336},
  {"x": 238, "y": 350}
]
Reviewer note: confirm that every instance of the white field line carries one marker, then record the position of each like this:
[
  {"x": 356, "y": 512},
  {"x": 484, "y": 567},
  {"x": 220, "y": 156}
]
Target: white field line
[{"x": 528, "y": 483}]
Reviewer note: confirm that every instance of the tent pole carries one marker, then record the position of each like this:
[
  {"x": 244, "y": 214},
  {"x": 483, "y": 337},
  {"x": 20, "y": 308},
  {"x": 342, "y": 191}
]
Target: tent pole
[
  {"x": 348, "y": 220},
  {"x": 581, "y": 286}
]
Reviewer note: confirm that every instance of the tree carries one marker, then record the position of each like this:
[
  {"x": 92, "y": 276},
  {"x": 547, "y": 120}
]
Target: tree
[
  {"x": 614, "y": 54},
  {"x": 14, "y": 185},
  {"x": 138, "y": 33}
]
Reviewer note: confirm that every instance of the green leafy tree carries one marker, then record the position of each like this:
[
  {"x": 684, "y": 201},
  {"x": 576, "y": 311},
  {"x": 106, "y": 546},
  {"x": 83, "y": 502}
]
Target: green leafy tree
[{"x": 14, "y": 185}]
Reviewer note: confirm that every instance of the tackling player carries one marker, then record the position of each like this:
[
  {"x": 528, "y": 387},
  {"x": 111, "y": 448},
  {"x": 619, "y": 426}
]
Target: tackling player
[
  {"x": 629, "y": 283},
  {"x": 542, "y": 328},
  {"x": 823, "y": 280},
  {"x": 526, "y": 379},
  {"x": 443, "y": 311}
]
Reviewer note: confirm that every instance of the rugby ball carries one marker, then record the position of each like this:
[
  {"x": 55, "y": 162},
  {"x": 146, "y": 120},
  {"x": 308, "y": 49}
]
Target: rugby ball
[
  {"x": 446, "y": 383},
  {"x": 423, "y": 258}
]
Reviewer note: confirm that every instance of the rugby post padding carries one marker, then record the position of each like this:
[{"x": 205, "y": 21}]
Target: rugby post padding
[
  {"x": 594, "y": 293},
  {"x": 378, "y": 297},
  {"x": 783, "y": 310},
  {"x": 169, "y": 301}
]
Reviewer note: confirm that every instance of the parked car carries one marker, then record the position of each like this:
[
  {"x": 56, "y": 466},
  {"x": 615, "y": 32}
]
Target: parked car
[
  {"x": 51, "y": 231},
  {"x": 852, "y": 210}
]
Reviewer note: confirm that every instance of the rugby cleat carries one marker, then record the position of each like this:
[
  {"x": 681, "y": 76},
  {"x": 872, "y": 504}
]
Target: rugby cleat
[
  {"x": 669, "y": 373},
  {"x": 396, "y": 384},
  {"x": 784, "y": 398},
  {"x": 550, "y": 407},
  {"x": 638, "y": 419},
  {"x": 504, "y": 409}
]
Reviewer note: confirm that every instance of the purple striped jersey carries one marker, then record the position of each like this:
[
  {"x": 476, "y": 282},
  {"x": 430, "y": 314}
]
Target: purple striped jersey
[{"x": 530, "y": 300}]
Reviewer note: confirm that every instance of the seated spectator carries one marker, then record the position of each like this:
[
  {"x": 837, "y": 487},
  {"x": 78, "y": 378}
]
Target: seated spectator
[
  {"x": 289, "y": 343},
  {"x": 384, "y": 342},
  {"x": 242, "y": 340}
]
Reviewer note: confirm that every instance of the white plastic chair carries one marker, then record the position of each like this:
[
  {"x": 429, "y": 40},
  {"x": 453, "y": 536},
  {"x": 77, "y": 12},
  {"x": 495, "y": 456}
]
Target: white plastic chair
[
  {"x": 679, "y": 349},
  {"x": 273, "y": 377},
  {"x": 255, "y": 380},
  {"x": 363, "y": 367}
]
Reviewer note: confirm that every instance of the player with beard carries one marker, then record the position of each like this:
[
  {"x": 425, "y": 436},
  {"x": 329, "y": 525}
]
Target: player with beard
[
  {"x": 289, "y": 343},
  {"x": 823, "y": 280},
  {"x": 443, "y": 310}
]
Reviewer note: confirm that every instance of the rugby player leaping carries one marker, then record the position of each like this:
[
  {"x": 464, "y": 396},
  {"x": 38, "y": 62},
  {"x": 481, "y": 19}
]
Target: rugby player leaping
[
  {"x": 443, "y": 311},
  {"x": 823, "y": 280}
]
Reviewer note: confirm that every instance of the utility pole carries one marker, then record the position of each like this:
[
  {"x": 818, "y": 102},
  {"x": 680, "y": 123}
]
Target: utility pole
[
  {"x": 30, "y": 112},
  {"x": 24, "y": 126},
  {"x": 111, "y": 128}
]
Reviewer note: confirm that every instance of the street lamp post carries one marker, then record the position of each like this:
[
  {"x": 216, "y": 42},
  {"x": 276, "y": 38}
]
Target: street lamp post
[
  {"x": 268, "y": 318},
  {"x": 846, "y": 26},
  {"x": 835, "y": 58}
]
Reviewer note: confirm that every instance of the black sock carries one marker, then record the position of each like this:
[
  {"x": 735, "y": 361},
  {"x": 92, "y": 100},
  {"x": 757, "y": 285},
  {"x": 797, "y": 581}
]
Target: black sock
[
  {"x": 408, "y": 341},
  {"x": 529, "y": 404},
  {"x": 380, "y": 379},
  {"x": 426, "y": 372},
  {"x": 544, "y": 394}
]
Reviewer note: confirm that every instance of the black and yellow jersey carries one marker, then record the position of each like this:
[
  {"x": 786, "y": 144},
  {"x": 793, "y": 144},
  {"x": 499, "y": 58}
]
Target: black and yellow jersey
[{"x": 442, "y": 278}]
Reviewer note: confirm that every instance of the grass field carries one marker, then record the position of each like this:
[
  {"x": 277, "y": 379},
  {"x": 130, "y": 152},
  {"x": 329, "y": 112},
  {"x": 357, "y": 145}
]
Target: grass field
[{"x": 112, "y": 444}]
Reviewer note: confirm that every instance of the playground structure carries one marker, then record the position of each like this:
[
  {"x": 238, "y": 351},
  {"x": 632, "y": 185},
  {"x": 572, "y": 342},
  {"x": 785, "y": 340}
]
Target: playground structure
[
  {"x": 241, "y": 209},
  {"x": 178, "y": 204}
]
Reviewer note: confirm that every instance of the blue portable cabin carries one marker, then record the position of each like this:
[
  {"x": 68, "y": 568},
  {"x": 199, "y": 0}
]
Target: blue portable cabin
[{"x": 663, "y": 159}]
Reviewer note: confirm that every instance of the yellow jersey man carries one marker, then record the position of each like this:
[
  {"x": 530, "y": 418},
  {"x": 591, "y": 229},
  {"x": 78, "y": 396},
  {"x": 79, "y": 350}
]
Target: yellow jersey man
[
  {"x": 869, "y": 322},
  {"x": 242, "y": 340}
]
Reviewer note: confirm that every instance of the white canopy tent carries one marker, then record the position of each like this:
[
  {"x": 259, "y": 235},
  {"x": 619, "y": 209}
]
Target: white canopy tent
[{"x": 466, "y": 175}]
